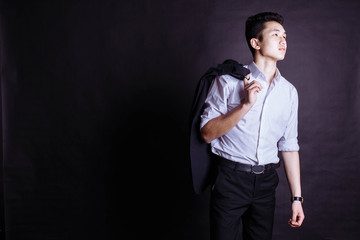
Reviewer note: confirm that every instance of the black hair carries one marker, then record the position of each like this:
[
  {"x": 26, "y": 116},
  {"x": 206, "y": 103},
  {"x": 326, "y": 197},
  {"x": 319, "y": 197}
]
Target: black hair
[{"x": 256, "y": 23}]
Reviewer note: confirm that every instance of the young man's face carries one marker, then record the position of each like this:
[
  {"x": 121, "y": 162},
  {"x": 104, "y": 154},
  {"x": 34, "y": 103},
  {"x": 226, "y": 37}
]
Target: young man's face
[{"x": 273, "y": 44}]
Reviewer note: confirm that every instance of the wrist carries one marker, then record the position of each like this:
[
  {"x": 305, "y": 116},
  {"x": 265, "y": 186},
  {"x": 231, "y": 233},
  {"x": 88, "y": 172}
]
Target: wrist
[{"x": 247, "y": 105}]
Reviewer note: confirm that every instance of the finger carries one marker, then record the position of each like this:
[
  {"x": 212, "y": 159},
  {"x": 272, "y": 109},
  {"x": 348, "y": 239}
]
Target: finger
[
  {"x": 294, "y": 218},
  {"x": 255, "y": 90},
  {"x": 300, "y": 220},
  {"x": 246, "y": 79},
  {"x": 293, "y": 224},
  {"x": 290, "y": 223},
  {"x": 253, "y": 84}
]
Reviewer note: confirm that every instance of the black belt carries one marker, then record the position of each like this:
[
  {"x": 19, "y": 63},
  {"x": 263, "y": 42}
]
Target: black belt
[{"x": 256, "y": 169}]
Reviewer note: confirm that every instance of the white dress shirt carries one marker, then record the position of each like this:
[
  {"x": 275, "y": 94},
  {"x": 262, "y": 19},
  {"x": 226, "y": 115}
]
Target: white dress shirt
[{"x": 270, "y": 125}]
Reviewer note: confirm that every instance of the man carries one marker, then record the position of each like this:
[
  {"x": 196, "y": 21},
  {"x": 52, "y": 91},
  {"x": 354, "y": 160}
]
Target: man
[{"x": 247, "y": 123}]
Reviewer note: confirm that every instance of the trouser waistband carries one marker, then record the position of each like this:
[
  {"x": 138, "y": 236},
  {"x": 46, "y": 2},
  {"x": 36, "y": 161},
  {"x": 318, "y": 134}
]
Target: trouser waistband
[{"x": 255, "y": 169}]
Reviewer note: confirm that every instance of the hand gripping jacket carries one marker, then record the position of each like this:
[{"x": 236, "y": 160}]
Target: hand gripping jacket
[{"x": 200, "y": 152}]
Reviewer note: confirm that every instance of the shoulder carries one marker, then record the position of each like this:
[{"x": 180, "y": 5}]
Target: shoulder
[
  {"x": 288, "y": 86},
  {"x": 228, "y": 80},
  {"x": 224, "y": 84}
]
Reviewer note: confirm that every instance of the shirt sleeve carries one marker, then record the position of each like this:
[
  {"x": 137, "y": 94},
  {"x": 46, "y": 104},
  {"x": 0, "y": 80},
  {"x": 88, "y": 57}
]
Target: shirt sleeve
[
  {"x": 289, "y": 140},
  {"x": 216, "y": 100}
]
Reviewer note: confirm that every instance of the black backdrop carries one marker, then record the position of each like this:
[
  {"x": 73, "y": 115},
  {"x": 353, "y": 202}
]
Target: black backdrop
[{"x": 95, "y": 102}]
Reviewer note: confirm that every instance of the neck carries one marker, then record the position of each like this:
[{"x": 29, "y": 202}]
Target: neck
[{"x": 267, "y": 67}]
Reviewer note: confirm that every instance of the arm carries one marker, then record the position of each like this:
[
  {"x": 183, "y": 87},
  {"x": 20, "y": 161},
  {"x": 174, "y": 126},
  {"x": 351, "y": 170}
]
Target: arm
[
  {"x": 292, "y": 168},
  {"x": 220, "y": 125}
]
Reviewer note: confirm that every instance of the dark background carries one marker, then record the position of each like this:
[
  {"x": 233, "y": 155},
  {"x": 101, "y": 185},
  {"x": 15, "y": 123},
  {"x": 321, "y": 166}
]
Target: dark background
[{"x": 95, "y": 100}]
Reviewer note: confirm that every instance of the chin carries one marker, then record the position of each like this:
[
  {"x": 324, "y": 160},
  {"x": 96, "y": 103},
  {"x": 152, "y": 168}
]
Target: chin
[{"x": 281, "y": 58}]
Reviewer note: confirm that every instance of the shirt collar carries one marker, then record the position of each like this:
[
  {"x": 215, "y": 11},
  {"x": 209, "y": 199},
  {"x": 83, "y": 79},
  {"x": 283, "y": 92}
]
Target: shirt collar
[{"x": 257, "y": 74}]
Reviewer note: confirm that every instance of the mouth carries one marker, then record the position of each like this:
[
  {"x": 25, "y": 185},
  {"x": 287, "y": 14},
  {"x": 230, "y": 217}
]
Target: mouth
[{"x": 282, "y": 49}]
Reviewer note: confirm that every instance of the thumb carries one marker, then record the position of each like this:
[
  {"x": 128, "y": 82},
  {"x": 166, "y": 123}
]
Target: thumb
[{"x": 246, "y": 78}]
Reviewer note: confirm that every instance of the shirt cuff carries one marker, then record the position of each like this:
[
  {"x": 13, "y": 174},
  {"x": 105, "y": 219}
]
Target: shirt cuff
[{"x": 289, "y": 145}]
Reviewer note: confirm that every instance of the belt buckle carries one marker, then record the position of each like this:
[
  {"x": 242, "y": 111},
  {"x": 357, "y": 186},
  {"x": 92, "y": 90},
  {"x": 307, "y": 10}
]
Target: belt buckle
[{"x": 258, "y": 169}]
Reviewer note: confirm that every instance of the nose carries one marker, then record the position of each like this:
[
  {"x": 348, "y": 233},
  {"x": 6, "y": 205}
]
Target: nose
[{"x": 283, "y": 41}]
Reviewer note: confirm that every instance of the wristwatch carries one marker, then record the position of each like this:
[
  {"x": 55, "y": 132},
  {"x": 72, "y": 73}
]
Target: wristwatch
[{"x": 301, "y": 199}]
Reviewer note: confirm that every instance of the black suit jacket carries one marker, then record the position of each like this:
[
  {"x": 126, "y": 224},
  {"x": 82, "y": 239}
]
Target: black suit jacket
[{"x": 200, "y": 152}]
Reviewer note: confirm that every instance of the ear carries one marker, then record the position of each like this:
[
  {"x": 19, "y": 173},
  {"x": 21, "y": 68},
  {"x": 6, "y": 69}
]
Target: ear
[{"x": 255, "y": 43}]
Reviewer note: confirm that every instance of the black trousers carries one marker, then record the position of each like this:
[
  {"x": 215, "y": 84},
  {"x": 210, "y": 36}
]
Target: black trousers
[{"x": 243, "y": 198}]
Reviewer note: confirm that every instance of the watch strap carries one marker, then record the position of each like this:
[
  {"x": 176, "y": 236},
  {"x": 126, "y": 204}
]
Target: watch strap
[{"x": 301, "y": 199}]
